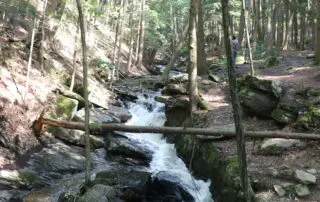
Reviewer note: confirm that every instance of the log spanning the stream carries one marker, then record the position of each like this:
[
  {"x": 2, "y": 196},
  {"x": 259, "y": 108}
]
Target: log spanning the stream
[{"x": 101, "y": 128}]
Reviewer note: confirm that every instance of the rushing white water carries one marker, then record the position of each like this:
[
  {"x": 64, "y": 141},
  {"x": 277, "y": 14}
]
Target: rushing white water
[{"x": 165, "y": 157}]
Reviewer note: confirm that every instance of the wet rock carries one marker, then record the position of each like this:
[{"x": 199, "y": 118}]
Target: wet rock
[
  {"x": 76, "y": 137},
  {"x": 20, "y": 179},
  {"x": 276, "y": 146},
  {"x": 214, "y": 78},
  {"x": 66, "y": 107},
  {"x": 148, "y": 106},
  {"x": 279, "y": 190},
  {"x": 161, "y": 98},
  {"x": 11, "y": 195},
  {"x": 129, "y": 152},
  {"x": 176, "y": 110},
  {"x": 99, "y": 193},
  {"x": 124, "y": 177},
  {"x": 56, "y": 160},
  {"x": 285, "y": 113},
  {"x": 126, "y": 95},
  {"x": 175, "y": 89},
  {"x": 167, "y": 188},
  {"x": 302, "y": 190},
  {"x": 180, "y": 78},
  {"x": 305, "y": 177},
  {"x": 119, "y": 112},
  {"x": 97, "y": 115}
]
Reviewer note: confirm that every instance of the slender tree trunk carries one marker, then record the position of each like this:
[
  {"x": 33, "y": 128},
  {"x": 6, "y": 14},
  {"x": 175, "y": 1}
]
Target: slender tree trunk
[
  {"x": 288, "y": 23},
  {"x": 193, "y": 88},
  {"x": 141, "y": 37},
  {"x": 138, "y": 40},
  {"x": 269, "y": 42},
  {"x": 85, "y": 86},
  {"x": 74, "y": 58},
  {"x": 131, "y": 36},
  {"x": 34, "y": 29},
  {"x": 118, "y": 33},
  {"x": 241, "y": 29},
  {"x": 236, "y": 105},
  {"x": 201, "y": 58},
  {"x": 302, "y": 28},
  {"x": 42, "y": 37},
  {"x": 180, "y": 45},
  {"x": 318, "y": 35},
  {"x": 120, "y": 38},
  {"x": 295, "y": 24},
  {"x": 247, "y": 37}
]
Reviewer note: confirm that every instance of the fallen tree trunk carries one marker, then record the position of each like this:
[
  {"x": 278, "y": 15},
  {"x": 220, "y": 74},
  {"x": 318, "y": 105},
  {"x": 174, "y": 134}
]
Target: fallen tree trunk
[{"x": 100, "y": 128}]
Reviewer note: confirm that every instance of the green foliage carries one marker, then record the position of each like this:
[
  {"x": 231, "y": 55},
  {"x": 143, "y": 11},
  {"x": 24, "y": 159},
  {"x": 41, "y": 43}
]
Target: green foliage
[
  {"x": 99, "y": 63},
  {"x": 261, "y": 51},
  {"x": 184, "y": 52}
]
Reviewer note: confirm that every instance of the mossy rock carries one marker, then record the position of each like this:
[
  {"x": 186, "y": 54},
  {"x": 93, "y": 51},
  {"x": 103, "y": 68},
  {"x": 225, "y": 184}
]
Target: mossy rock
[
  {"x": 66, "y": 107},
  {"x": 232, "y": 170},
  {"x": 285, "y": 113},
  {"x": 270, "y": 62},
  {"x": 310, "y": 119}
]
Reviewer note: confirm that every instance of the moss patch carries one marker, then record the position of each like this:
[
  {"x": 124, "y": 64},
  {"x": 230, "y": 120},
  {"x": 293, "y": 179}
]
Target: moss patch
[{"x": 66, "y": 107}]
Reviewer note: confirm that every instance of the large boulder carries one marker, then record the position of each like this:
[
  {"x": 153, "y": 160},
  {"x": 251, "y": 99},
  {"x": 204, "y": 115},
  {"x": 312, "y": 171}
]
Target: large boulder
[
  {"x": 56, "y": 160},
  {"x": 285, "y": 113},
  {"x": 177, "y": 110},
  {"x": 175, "y": 89},
  {"x": 276, "y": 146},
  {"x": 305, "y": 177},
  {"x": 129, "y": 152},
  {"x": 167, "y": 188},
  {"x": 260, "y": 97},
  {"x": 180, "y": 78},
  {"x": 20, "y": 179},
  {"x": 97, "y": 115},
  {"x": 66, "y": 107},
  {"x": 99, "y": 193},
  {"x": 120, "y": 113},
  {"x": 76, "y": 137}
]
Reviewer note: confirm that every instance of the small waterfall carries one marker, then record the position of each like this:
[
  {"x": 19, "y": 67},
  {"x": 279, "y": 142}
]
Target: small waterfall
[{"x": 165, "y": 158}]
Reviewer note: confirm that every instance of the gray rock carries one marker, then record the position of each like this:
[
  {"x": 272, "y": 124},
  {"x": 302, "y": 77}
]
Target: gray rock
[
  {"x": 175, "y": 89},
  {"x": 305, "y": 177},
  {"x": 275, "y": 146},
  {"x": 214, "y": 78},
  {"x": 280, "y": 191},
  {"x": 302, "y": 190},
  {"x": 312, "y": 171},
  {"x": 57, "y": 159},
  {"x": 288, "y": 186},
  {"x": 97, "y": 115},
  {"x": 76, "y": 137},
  {"x": 123, "y": 114},
  {"x": 20, "y": 179},
  {"x": 129, "y": 152},
  {"x": 99, "y": 193},
  {"x": 161, "y": 98},
  {"x": 181, "y": 78}
]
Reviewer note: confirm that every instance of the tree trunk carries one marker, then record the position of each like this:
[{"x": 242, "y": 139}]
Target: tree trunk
[
  {"x": 97, "y": 129},
  {"x": 85, "y": 86},
  {"x": 241, "y": 28},
  {"x": 201, "y": 58},
  {"x": 42, "y": 38},
  {"x": 295, "y": 23},
  {"x": 318, "y": 35},
  {"x": 131, "y": 36},
  {"x": 35, "y": 23},
  {"x": 118, "y": 33},
  {"x": 141, "y": 37},
  {"x": 120, "y": 38},
  {"x": 236, "y": 105},
  {"x": 288, "y": 24},
  {"x": 180, "y": 45},
  {"x": 193, "y": 55},
  {"x": 247, "y": 37},
  {"x": 74, "y": 58},
  {"x": 302, "y": 28}
]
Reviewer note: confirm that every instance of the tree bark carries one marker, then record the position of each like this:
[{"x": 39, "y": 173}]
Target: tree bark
[
  {"x": 318, "y": 35},
  {"x": 99, "y": 129},
  {"x": 180, "y": 45},
  {"x": 141, "y": 37},
  {"x": 74, "y": 58},
  {"x": 236, "y": 104},
  {"x": 241, "y": 28},
  {"x": 295, "y": 24},
  {"x": 201, "y": 58},
  {"x": 120, "y": 38},
  {"x": 247, "y": 37},
  {"x": 85, "y": 86},
  {"x": 42, "y": 33},
  {"x": 193, "y": 56},
  {"x": 131, "y": 36}
]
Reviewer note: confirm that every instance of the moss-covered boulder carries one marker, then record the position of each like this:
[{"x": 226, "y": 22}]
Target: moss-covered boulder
[
  {"x": 66, "y": 107},
  {"x": 175, "y": 89},
  {"x": 285, "y": 113},
  {"x": 258, "y": 96}
]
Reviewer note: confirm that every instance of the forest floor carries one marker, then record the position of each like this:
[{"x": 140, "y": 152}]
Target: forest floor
[{"x": 295, "y": 72}]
